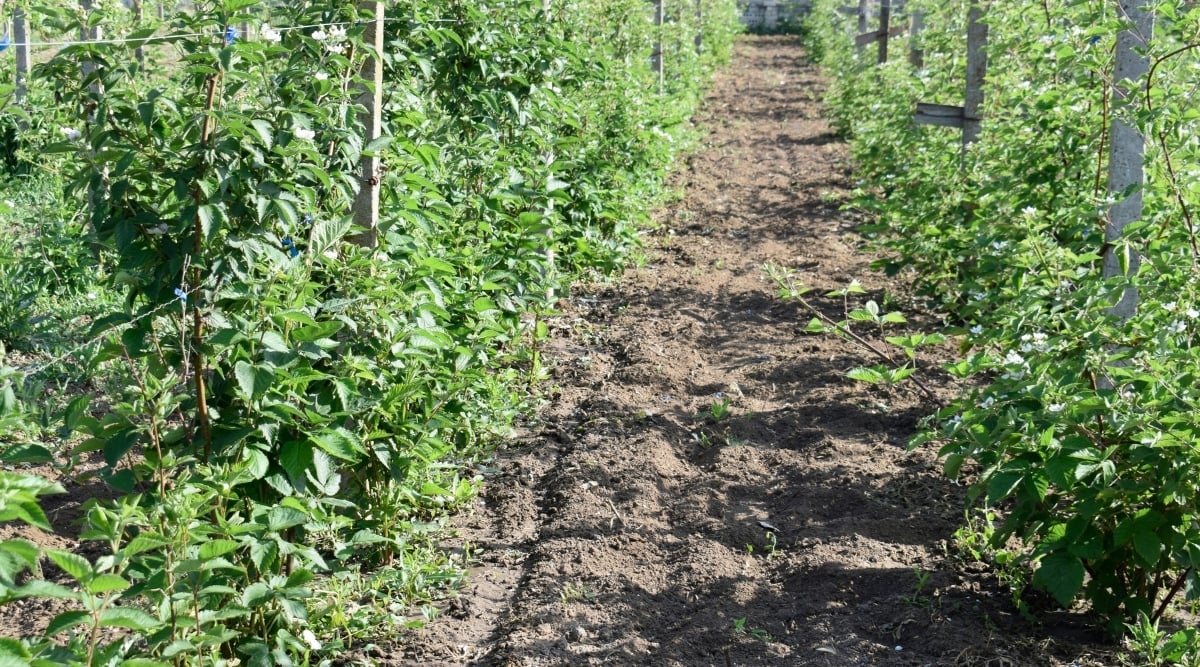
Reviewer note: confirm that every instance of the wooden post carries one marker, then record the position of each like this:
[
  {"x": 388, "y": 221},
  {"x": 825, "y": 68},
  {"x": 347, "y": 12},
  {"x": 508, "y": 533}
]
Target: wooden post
[
  {"x": 916, "y": 55},
  {"x": 864, "y": 9},
  {"x": 21, "y": 44},
  {"x": 656, "y": 57},
  {"x": 966, "y": 117},
  {"x": 977, "y": 37},
  {"x": 90, "y": 34},
  {"x": 885, "y": 19},
  {"x": 139, "y": 52},
  {"x": 1127, "y": 150},
  {"x": 366, "y": 202}
]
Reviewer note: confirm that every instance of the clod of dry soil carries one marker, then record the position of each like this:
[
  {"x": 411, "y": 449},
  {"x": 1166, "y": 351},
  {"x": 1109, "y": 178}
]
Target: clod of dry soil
[{"x": 631, "y": 528}]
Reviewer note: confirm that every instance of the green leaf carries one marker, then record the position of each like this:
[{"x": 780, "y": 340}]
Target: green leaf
[
  {"x": 128, "y": 617},
  {"x": 73, "y": 564},
  {"x": 282, "y": 518},
  {"x": 265, "y": 132},
  {"x": 27, "y": 454},
  {"x": 65, "y": 621},
  {"x": 871, "y": 375},
  {"x": 215, "y": 548},
  {"x": 1002, "y": 485},
  {"x": 1060, "y": 574},
  {"x": 815, "y": 326},
  {"x": 106, "y": 583},
  {"x": 257, "y": 594},
  {"x": 339, "y": 443},
  {"x": 1147, "y": 546},
  {"x": 254, "y": 381}
]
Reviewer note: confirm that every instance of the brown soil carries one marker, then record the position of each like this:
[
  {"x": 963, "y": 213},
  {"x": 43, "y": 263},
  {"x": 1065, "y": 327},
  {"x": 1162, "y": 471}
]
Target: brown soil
[{"x": 630, "y": 527}]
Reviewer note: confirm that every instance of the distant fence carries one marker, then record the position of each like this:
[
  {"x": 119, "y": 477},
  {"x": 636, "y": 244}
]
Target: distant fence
[{"x": 770, "y": 15}]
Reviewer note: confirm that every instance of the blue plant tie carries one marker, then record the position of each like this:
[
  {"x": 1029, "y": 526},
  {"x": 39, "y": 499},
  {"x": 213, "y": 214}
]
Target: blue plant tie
[
  {"x": 4, "y": 43},
  {"x": 290, "y": 247},
  {"x": 231, "y": 34},
  {"x": 181, "y": 294}
]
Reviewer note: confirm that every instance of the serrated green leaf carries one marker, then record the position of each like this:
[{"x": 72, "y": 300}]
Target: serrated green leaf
[
  {"x": 1061, "y": 575},
  {"x": 254, "y": 381},
  {"x": 65, "y": 621},
  {"x": 815, "y": 326},
  {"x": 215, "y": 548},
  {"x": 870, "y": 375},
  {"x": 128, "y": 617},
  {"x": 106, "y": 583},
  {"x": 1147, "y": 546},
  {"x": 282, "y": 518},
  {"x": 73, "y": 564},
  {"x": 339, "y": 443}
]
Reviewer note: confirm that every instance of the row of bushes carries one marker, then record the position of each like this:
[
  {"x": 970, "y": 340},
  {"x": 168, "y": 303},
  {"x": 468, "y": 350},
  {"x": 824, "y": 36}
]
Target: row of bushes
[
  {"x": 283, "y": 412},
  {"x": 1079, "y": 430}
]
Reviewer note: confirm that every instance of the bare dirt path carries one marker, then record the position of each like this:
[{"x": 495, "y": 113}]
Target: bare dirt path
[{"x": 638, "y": 525}]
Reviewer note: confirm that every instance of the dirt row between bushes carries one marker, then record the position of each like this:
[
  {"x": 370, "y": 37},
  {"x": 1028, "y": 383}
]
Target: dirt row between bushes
[{"x": 705, "y": 487}]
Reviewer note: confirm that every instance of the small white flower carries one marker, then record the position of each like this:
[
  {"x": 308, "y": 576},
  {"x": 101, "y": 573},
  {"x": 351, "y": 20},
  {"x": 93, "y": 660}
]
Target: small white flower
[
  {"x": 270, "y": 34},
  {"x": 337, "y": 33},
  {"x": 1170, "y": 306},
  {"x": 1192, "y": 313},
  {"x": 10, "y": 203},
  {"x": 157, "y": 230},
  {"x": 321, "y": 76},
  {"x": 304, "y": 134},
  {"x": 987, "y": 403},
  {"x": 91, "y": 295},
  {"x": 1056, "y": 407},
  {"x": 70, "y": 133},
  {"x": 1178, "y": 326},
  {"x": 320, "y": 35},
  {"x": 1029, "y": 211},
  {"x": 1013, "y": 359},
  {"x": 310, "y": 639},
  {"x": 977, "y": 329}
]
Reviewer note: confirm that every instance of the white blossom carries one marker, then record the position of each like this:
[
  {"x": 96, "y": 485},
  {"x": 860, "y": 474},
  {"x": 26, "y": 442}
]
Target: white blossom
[
  {"x": 977, "y": 329},
  {"x": 270, "y": 34},
  {"x": 987, "y": 403},
  {"x": 1029, "y": 211},
  {"x": 310, "y": 639},
  {"x": 1176, "y": 327},
  {"x": 321, "y": 76},
  {"x": 1056, "y": 407},
  {"x": 70, "y": 133},
  {"x": 320, "y": 35},
  {"x": 304, "y": 133},
  {"x": 1192, "y": 313}
]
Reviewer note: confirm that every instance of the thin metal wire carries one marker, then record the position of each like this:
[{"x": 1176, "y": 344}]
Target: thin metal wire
[{"x": 177, "y": 36}]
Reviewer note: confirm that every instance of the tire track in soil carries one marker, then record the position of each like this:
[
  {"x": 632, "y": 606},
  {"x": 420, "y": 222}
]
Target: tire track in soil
[{"x": 625, "y": 530}]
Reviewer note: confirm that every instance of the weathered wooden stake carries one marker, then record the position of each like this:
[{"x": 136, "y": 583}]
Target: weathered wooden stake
[
  {"x": 90, "y": 34},
  {"x": 977, "y": 37},
  {"x": 21, "y": 44},
  {"x": 139, "y": 52},
  {"x": 966, "y": 117},
  {"x": 885, "y": 20},
  {"x": 916, "y": 55},
  {"x": 366, "y": 202},
  {"x": 1127, "y": 151},
  {"x": 656, "y": 57}
]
